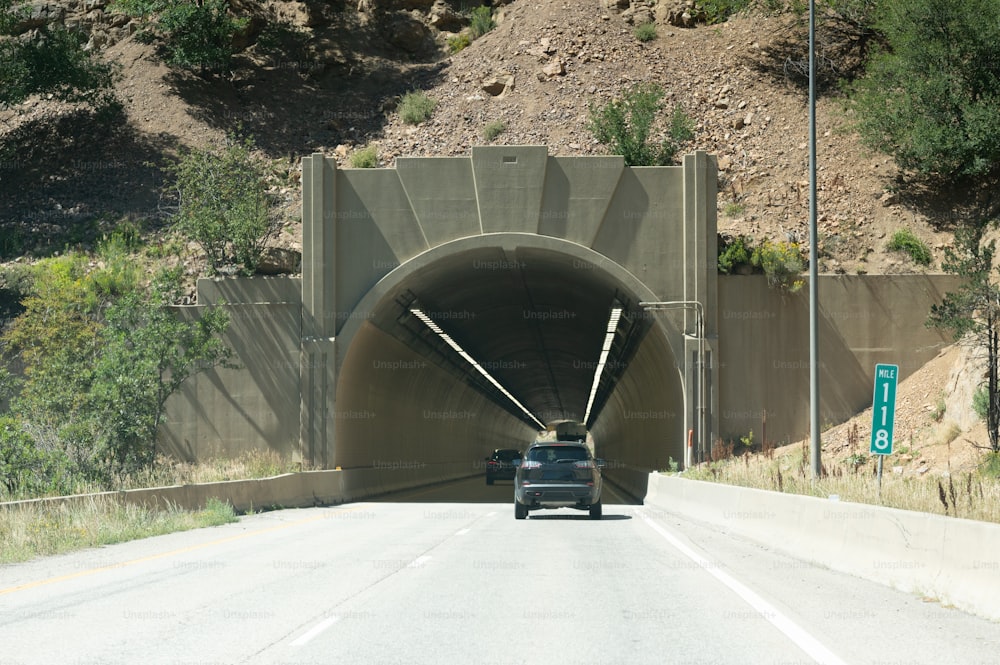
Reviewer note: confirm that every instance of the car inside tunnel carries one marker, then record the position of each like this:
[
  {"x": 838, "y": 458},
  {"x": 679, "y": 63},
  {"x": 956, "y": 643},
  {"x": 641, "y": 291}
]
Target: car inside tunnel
[{"x": 535, "y": 319}]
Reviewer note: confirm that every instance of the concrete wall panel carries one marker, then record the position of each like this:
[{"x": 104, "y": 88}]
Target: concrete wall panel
[
  {"x": 226, "y": 412},
  {"x": 578, "y": 191},
  {"x": 509, "y": 185},
  {"x": 442, "y": 193},
  {"x": 764, "y": 347}
]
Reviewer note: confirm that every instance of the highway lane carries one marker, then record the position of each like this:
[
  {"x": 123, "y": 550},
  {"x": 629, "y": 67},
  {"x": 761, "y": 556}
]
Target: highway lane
[{"x": 445, "y": 574}]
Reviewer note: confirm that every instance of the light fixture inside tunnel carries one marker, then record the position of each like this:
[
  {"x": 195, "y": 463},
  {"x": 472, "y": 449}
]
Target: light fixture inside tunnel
[
  {"x": 609, "y": 338},
  {"x": 436, "y": 329}
]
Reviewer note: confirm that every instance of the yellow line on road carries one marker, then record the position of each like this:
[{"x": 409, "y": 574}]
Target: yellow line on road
[{"x": 162, "y": 555}]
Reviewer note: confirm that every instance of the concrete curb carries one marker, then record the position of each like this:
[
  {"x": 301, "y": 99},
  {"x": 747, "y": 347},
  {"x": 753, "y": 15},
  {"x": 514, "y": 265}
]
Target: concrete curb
[{"x": 953, "y": 560}]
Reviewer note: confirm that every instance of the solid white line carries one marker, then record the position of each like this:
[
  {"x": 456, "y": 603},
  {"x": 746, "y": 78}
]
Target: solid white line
[
  {"x": 462, "y": 532},
  {"x": 491, "y": 513},
  {"x": 419, "y": 561},
  {"x": 792, "y": 630},
  {"x": 314, "y": 631}
]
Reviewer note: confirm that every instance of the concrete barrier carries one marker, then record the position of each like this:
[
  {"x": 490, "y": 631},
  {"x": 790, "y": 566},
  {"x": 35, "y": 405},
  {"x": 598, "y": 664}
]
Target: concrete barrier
[
  {"x": 292, "y": 490},
  {"x": 953, "y": 560}
]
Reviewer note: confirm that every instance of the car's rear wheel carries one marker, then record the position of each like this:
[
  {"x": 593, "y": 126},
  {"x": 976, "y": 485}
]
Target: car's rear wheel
[
  {"x": 520, "y": 510},
  {"x": 595, "y": 511}
]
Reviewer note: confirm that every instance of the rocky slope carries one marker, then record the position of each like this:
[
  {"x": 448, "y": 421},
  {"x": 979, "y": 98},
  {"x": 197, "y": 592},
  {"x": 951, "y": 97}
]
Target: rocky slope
[{"x": 315, "y": 76}]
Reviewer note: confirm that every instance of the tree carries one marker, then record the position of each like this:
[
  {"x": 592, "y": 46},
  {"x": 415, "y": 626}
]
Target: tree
[
  {"x": 973, "y": 311},
  {"x": 101, "y": 356},
  {"x": 930, "y": 99},
  {"x": 624, "y": 126},
  {"x": 49, "y": 60},
  {"x": 224, "y": 205},
  {"x": 147, "y": 354}
]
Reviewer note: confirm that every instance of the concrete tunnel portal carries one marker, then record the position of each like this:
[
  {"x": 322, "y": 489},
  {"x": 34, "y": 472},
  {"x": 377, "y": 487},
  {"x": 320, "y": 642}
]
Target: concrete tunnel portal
[
  {"x": 533, "y": 312},
  {"x": 519, "y": 257}
]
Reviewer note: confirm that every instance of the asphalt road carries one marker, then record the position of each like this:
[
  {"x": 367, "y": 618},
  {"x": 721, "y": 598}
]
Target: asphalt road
[{"x": 447, "y": 575}]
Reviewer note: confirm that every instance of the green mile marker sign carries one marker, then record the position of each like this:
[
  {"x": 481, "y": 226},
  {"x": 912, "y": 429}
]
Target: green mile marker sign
[{"x": 883, "y": 408}]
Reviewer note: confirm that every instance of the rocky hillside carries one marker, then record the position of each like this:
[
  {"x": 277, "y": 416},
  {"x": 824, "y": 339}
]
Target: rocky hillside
[{"x": 327, "y": 76}]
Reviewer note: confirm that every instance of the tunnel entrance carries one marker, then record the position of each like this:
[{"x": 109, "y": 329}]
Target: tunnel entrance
[
  {"x": 533, "y": 313},
  {"x": 512, "y": 261}
]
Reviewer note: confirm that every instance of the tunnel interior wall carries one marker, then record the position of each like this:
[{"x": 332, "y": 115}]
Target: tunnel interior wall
[
  {"x": 863, "y": 320},
  {"x": 401, "y": 412},
  {"x": 642, "y": 423}
]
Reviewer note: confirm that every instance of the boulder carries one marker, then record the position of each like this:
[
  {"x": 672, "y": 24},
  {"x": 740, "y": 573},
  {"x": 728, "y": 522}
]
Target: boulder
[{"x": 279, "y": 261}]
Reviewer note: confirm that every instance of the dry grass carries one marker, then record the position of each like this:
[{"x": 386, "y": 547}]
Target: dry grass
[
  {"x": 972, "y": 495},
  {"x": 43, "y": 530}
]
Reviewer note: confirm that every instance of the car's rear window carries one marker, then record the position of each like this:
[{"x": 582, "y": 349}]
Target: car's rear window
[
  {"x": 552, "y": 454},
  {"x": 508, "y": 455}
]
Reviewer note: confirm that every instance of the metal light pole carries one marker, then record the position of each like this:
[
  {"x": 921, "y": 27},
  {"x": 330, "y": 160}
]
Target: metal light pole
[
  {"x": 702, "y": 397},
  {"x": 817, "y": 464}
]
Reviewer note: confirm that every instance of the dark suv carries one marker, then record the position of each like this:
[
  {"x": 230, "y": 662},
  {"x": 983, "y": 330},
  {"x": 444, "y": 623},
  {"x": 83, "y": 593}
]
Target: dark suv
[
  {"x": 558, "y": 475},
  {"x": 501, "y": 464}
]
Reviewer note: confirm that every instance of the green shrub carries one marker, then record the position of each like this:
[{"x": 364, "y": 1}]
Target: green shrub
[
  {"x": 782, "y": 262},
  {"x": 99, "y": 367},
  {"x": 717, "y": 11},
  {"x": 49, "y": 60},
  {"x": 990, "y": 466},
  {"x": 904, "y": 240},
  {"x": 481, "y": 21},
  {"x": 981, "y": 401},
  {"x": 416, "y": 107},
  {"x": 645, "y": 32},
  {"x": 929, "y": 98},
  {"x": 365, "y": 158},
  {"x": 196, "y": 34},
  {"x": 224, "y": 205},
  {"x": 624, "y": 126},
  {"x": 458, "y": 42},
  {"x": 494, "y": 129},
  {"x": 735, "y": 253}
]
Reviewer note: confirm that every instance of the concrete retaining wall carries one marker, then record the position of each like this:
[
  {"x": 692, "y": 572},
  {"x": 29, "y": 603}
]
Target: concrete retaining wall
[
  {"x": 292, "y": 490},
  {"x": 954, "y": 560}
]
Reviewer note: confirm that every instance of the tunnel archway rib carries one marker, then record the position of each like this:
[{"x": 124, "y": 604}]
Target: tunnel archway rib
[{"x": 532, "y": 310}]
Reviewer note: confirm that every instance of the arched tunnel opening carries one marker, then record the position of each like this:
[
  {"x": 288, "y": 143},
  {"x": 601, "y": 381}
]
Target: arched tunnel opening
[{"x": 533, "y": 312}]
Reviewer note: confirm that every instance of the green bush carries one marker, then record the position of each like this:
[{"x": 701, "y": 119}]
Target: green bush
[
  {"x": 930, "y": 97},
  {"x": 365, "y": 158},
  {"x": 981, "y": 401},
  {"x": 494, "y": 129},
  {"x": 734, "y": 253},
  {"x": 990, "y": 466},
  {"x": 717, "y": 11},
  {"x": 50, "y": 60},
  {"x": 458, "y": 42},
  {"x": 98, "y": 369},
  {"x": 481, "y": 21},
  {"x": 195, "y": 34},
  {"x": 904, "y": 240},
  {"x": 782, "y": 262},
  {"x": 645, "y": 32},
  {"x": 416, "y": 107},
  {"x": 624, "y": 126},
  {"x": 224, "y": 205}
]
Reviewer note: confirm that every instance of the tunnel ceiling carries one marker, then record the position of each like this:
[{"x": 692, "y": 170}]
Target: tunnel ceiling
[{"x": 535, "y": 319}]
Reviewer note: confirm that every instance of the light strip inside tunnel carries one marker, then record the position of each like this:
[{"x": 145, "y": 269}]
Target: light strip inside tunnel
[
  {"x": 436, "y": 329},
  {"x": 609, "y": 338}
]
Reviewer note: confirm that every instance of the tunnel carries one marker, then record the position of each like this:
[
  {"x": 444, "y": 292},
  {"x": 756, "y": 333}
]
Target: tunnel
[{"x": 533, "y": 311}]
